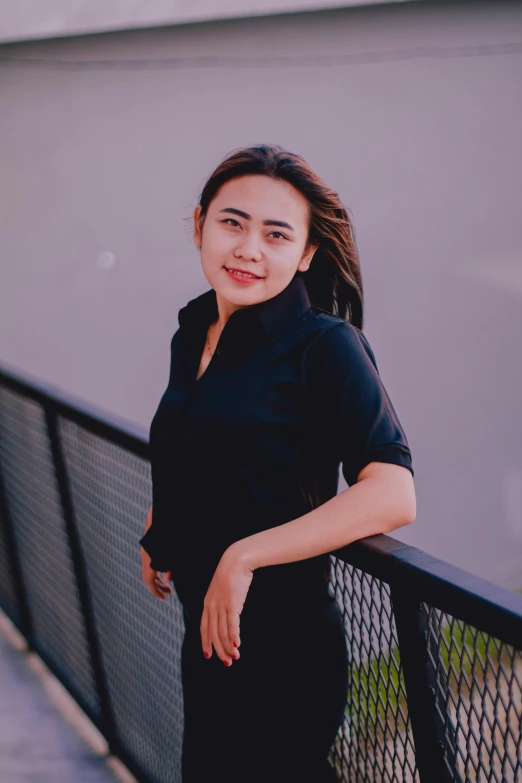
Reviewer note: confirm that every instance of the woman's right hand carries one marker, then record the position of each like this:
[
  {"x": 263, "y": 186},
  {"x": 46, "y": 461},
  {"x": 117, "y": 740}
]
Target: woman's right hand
[{"x": 157, "y": 585}]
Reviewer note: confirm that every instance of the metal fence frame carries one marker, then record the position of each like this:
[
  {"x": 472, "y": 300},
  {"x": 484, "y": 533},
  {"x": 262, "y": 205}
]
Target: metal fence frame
[{"x": 416, "y": 580}]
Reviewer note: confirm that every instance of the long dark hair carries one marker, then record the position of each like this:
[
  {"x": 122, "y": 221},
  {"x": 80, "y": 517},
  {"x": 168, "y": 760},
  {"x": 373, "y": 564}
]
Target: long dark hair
[{"x": 333, "y": 280}]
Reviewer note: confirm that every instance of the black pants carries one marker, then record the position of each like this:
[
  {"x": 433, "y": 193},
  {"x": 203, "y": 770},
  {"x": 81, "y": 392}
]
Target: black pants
[{"x": 273, "y": 715}]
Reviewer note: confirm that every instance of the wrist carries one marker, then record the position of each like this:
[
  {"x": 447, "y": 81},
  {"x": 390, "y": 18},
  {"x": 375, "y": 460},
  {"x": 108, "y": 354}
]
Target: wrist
[{"x": 242, "y": 554}]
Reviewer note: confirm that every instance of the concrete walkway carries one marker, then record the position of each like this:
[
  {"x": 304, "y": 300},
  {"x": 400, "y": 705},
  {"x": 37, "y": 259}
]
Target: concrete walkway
[{"x": 44, "y": 736}]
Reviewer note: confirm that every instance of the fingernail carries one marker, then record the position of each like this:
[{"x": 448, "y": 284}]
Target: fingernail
[
  {"x": 236, "y": 644},
  {"x": 207, "y": 655},
  {"x": 227, "y": 663}
]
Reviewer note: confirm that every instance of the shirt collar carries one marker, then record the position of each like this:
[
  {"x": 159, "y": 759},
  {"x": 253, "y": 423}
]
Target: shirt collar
[{"x": 275, "y": 315}]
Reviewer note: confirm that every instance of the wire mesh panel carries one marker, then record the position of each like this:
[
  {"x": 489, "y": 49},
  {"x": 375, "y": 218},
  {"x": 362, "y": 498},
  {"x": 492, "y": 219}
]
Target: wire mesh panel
[
  {"x": 75, "y": 497},
  {"x": 479, "y": 684},
  {"x": 8, "y": 598},
  {"x": 375, "y": 743},
  {"x": 140, "y": 636},
  {"x": 35, "y": 511}
]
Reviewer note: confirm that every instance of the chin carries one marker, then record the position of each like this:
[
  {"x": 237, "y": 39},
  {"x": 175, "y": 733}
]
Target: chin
[{"x": 246, "y": 297}]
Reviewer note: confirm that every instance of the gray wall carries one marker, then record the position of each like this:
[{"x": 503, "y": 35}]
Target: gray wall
[
  {"x": 418, "y": 128},
  {"x": 24, "y": 19}
]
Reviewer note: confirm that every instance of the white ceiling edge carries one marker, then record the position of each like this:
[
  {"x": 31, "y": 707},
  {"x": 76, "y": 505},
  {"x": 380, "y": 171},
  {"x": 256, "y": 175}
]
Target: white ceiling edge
[{"x": 25, "y": 20}]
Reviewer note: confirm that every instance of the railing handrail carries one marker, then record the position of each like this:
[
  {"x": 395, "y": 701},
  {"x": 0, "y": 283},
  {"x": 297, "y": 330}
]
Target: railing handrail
[
  {"x": 78, "y": 410},
  {"x": 493, "y": 609}
]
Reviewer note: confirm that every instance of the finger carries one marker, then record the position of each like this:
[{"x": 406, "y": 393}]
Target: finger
[
  {"x": 162, "y": 585},
  {"x": 204, "y": 630},
  {"x": 233, "y": 630},
  {"x": 216, "y": 640},
  {"x": 155, "y": 590},
  {"x": 224, "y": 635}
]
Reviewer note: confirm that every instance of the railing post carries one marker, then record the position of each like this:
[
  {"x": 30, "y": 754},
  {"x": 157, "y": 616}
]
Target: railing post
[
  {"x": 15, "y": 566},
  {"x": 108, "y": 727},
  {"x": 441, "y": 686},
  {"x": 435, "y": 760}
]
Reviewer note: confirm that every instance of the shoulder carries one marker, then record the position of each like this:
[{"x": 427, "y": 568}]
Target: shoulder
[
  {"x": 333, "y": 339},
  {"x": 199, "y": 306}
]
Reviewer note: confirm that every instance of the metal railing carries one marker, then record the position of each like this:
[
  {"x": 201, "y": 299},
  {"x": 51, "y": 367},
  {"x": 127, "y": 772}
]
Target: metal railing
[{"x": 435, "y": 665}]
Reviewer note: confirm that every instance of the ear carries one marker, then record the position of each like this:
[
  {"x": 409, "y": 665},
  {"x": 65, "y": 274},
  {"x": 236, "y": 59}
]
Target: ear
[
  {"x": 197, "y": 233},
  {"x": 306, "y": 260}
]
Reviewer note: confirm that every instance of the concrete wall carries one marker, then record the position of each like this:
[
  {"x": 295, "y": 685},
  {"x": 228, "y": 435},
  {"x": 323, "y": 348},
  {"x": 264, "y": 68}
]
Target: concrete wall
[
  {"x": 417, "y": 124},
  {"x": 25, "y": 19}
]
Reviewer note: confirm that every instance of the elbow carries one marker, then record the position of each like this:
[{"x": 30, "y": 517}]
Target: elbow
[
  {"x": 406, "y": 512},
  {"x": 407, "y": 519},
  {"x": 396, "y": 490},
  {"x": 404, "y": 503},
  {"x": 400, "y": 521}
]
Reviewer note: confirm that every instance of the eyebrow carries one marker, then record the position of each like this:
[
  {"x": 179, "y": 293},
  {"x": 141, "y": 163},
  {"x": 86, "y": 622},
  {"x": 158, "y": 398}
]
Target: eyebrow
[{"x": 245, "y": 215}]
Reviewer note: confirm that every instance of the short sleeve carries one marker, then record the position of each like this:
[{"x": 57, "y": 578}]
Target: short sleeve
[
  {"x": 155, "y": 548},
  {"x": 354, "y": 412},
  {"x": 155, "y": 540}
]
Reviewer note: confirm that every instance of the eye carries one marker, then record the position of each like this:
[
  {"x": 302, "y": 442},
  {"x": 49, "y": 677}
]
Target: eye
[
  {"x": 234, "y": 223},
  {"x": 232, "y": 219}
]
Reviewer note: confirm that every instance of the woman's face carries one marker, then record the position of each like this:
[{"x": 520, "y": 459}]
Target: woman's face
[{"x": 257, "y": 225}]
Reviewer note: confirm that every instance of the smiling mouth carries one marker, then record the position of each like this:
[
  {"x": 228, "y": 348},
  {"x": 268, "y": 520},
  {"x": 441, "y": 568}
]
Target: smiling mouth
[{"x": 242, "y": 273}]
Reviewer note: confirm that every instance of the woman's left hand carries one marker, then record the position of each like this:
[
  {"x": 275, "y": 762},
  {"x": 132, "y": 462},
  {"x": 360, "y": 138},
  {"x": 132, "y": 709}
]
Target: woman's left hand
[{"x": 223, "y": 605}]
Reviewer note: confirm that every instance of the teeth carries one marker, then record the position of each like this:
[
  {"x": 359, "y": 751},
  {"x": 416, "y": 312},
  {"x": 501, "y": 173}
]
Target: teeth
[{"x": 242, "y": 274}]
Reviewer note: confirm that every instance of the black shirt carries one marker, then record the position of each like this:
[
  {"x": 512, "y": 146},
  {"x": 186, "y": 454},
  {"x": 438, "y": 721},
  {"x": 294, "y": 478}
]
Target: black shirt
[{"x": 291, "y": 392}]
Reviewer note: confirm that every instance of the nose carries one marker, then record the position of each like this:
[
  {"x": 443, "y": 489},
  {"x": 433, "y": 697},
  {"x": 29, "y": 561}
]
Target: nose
[{"x": 249, "y": 249}]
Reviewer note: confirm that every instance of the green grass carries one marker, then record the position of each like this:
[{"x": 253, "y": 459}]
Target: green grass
[
  {"x": 377, "y": 690},
  {"x": 461, "y": 648}
]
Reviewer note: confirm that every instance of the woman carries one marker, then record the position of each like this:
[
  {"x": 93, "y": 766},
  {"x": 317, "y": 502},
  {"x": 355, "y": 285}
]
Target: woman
[{"x": 272, "y": 386}]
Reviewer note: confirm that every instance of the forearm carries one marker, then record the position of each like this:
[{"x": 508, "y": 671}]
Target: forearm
[{"x": 369, "y": 507}]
